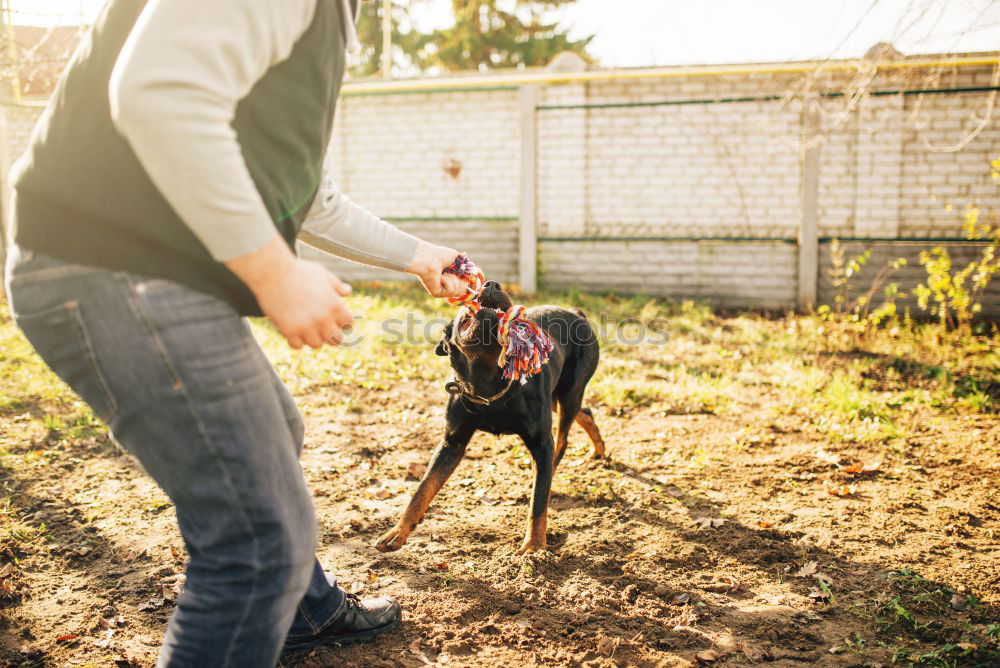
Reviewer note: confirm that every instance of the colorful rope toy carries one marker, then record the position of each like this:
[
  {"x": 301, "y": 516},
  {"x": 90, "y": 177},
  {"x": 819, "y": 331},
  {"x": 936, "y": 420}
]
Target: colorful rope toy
[
  {"x": 524, "y": 346},
  {"x": 474, "y": 280}
]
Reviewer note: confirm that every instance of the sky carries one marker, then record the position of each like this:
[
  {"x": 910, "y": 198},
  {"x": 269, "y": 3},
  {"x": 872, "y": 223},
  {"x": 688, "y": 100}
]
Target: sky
[{"x": 633, "y": 33}]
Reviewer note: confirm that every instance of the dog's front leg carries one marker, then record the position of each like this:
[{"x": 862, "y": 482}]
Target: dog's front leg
[
  {"x": 443, "y": 462},
  {"x": 542, "y": 449}
]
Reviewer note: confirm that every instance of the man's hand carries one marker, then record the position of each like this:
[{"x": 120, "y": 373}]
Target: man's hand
[
  {"x": 429, "y": 263},
  {"x": 303, "y": 300}
]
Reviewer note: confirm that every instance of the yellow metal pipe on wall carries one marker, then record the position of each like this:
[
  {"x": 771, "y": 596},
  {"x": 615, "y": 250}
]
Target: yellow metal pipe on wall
[{"x": 501, "y": 80}]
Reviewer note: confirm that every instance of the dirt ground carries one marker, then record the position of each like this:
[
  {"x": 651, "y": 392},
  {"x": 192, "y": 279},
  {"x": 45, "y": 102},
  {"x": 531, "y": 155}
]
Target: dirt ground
[{"x": 739, "y": 536}]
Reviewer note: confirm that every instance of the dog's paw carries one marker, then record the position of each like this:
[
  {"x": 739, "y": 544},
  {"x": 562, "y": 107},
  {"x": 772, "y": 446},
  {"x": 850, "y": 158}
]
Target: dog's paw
[
  {"x": 530, "y": 545},
  {"x": 392, "y": 540}
]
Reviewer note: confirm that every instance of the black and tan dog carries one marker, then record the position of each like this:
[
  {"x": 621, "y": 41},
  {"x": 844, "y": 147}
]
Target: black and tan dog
[{"x": 481, "y": 399}]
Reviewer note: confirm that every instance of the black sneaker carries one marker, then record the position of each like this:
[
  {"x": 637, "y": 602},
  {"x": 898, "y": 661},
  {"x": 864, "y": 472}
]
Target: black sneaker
[{"x": 359, "y": 621}]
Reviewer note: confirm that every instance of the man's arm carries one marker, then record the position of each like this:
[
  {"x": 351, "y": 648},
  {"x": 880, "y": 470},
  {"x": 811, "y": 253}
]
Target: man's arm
[{"x": 338, "y": 226}]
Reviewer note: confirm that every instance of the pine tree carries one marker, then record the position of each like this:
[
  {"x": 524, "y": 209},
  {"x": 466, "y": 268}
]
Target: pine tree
[
  {"x": 491, "y": 34},
  {"x": 404, "y": 37},
  {"x": 487, "y": 34}
]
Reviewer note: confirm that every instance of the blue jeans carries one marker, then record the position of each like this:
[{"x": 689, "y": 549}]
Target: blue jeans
[{"x": 182, "y": 384}]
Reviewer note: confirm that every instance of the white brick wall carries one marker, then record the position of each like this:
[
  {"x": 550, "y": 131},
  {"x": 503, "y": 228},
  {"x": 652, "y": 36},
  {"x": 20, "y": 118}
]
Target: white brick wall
[
  {"x": 438, "y": 155},
  {"x": 688, "y": 170},
  {"x": 757, "y": 274},
  {"x": 563, "y": 163},
  {"x": 877, "y": 176},
  {"x": 934, "y": 181}
]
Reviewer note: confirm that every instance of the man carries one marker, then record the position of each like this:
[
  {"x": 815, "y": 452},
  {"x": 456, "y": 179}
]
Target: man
[{"x": 178, "y": 162}]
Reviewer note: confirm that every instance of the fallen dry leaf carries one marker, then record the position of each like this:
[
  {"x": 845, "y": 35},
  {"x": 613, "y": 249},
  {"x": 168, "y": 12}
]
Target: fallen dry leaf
[
  {"x": 820, "y": 595},
  {"x": 356, "y": 587},
  {"x": 967, "y": 646},
  {"x": 151, "y": 604},
  {"x": 751, "y": 652},
  {"x": 707, "y": 656},
  {"x": 415, "y": 471},
  {"x": 681, "y": 599},
  {"x": 7, "y": 570},
  {"x": 709, "y": 522},
  {"x": 379, "y": 493},
  {"x": 105, "y": 641},
  {"x": 862, "y": 468},
  {"x": 726, "y": 584},
  {"x": 414, "y": 648},
  {"x": 608, "y": 646},
  {"x": 169, "y": 592},
  {"x": 68, "y": 638},
  {"x": 527, "y": 624},
  {"x": 827, "y": 457},
  {"x": 842, "y": 490},
  {"x": 809, "y": 568},
  {"x": 111, "y": 622},
  {"x": 763, "y": 524}
]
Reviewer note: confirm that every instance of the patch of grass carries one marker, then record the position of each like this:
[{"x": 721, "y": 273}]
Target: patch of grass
[
  {"x": 933, "y": 625},
  {"x": 156, "y": 506},
  {"x": 17, "y": 536},
  {"x": 845, "y": 396},
  {"x": 24, "y": 379}
]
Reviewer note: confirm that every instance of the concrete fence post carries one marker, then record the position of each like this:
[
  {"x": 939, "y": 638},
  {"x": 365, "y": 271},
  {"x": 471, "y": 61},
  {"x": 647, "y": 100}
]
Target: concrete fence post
[
  {"x": 527, "y": 263},
  {"x": 808, "y": 236}
]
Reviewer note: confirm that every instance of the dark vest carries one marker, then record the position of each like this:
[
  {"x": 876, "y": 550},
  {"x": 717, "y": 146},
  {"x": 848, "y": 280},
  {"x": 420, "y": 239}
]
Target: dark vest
[{"x": 82, "y": 195}]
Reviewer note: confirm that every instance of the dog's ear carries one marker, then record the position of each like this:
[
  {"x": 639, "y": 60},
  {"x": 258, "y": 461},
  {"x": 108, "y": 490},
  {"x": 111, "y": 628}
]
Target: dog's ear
[{"x": 443, "y": 346}]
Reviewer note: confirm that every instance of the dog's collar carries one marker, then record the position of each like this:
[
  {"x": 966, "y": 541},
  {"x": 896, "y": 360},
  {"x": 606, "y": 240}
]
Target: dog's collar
[{"x": 459, "y": 388}]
